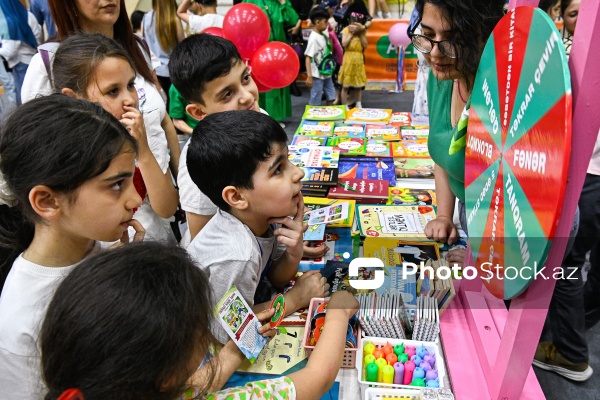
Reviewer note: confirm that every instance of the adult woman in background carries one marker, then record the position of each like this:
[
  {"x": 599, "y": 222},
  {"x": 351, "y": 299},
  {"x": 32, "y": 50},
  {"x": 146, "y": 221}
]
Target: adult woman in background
[
  {"x": 109, "y": 18},
  {"x": 452, "y": 36},
  {"x": 569, "y": 10},
  {"x": 162, "y": 29},
  {"x": 550, "y": 7}
]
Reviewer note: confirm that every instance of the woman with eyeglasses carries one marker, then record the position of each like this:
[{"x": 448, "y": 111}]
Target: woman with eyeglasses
[{"x": 451, "y": 35}]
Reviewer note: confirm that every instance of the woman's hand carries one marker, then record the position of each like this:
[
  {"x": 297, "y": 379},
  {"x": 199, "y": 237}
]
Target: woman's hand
[{"x": 441, "y": 229}]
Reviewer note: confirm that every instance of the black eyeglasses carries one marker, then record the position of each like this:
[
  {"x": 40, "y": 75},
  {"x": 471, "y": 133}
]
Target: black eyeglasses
[{"x": 425, "y": 45}]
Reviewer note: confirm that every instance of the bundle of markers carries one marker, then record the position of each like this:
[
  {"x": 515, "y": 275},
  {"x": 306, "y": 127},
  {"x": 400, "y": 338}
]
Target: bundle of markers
[
  {"x": 427, "y": 320},
  {"x": 383, "y": 315},
  {"x": 400, "y": 365}
]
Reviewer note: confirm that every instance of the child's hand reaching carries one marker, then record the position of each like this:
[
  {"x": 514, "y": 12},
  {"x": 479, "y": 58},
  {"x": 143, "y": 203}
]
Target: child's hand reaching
[
  {"x": 315, "y": 252},
  {"x": 290, "y": 232},
  {"x": 265, "y": 317},
  {"x": 310, "y": 284},
  {"x": 343, "y": 300}
]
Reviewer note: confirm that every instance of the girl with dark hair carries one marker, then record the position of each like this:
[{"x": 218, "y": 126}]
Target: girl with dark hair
[
  {"x": 66, "y": 183},
  {"x": 108, "y": 18},
  {"x": 569, "y": 10},
  {"x": 452, "y": 37},
  {"x": 550, "y": 7},
  {"x": 98, "y": 69},
  {"x": 134, "y": 323}
]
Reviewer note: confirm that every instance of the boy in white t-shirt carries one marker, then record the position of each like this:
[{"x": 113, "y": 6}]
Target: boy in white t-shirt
[
  {"x": 316, "y": 50},
  {"x": 204, "y": 14}
]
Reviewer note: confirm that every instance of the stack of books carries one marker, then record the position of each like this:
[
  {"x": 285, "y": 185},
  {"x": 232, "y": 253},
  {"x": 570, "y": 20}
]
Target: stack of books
[{"x": 320, "y": 165}]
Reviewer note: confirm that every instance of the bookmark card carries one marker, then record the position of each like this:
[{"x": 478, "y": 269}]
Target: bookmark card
[
  {"x": 240, "y": 323},
  {"x": 327, "y": 215},
  {"x": 315, "y": 232}
]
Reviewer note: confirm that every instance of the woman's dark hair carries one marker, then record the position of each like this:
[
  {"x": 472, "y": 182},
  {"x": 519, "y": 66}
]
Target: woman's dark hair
[
  {"x": 546, "y": 5},
  {"x": 472, "y": 23},
  {"x": 564, "y": 4},
  {"x": 55, "y": 141},
  {"x": 65, "y": 16},
  {"x": 77, "y": 58},
  {"x": 125, "y": 322}
]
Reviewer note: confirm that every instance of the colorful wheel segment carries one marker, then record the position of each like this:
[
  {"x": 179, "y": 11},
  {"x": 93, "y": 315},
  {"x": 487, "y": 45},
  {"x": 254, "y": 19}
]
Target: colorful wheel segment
[{"x": 518, "y": 148}]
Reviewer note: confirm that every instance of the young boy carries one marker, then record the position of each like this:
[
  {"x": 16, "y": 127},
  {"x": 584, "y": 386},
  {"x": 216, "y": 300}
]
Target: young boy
[
  {"x": 318, "y": 43},
  {"x": 239, "y": 159},
  {"x": 209, "y": 73},
  {"x": 207, "y": 18}
]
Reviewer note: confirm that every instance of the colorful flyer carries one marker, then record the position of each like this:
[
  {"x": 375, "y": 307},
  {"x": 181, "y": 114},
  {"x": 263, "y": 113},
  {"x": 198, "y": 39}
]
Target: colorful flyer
[
  {"x": 327, "y": 215},
  {"x": 314, "y": 232},
  {"x": 241, "y": 324}
]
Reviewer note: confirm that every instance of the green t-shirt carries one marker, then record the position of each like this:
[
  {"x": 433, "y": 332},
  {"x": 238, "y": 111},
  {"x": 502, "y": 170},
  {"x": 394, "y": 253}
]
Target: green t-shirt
[
  {"x": 177, "y": 106},
  {"x": 446, "y": 144}
]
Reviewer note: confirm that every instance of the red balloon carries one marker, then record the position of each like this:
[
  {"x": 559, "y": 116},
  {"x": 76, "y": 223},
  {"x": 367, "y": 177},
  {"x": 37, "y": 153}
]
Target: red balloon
[
  {"x": 213, "y": 30},
  {"x": 275, "y": 64},
  {"x": 247, "y": 26},
  {"x": 261, "y": 86}
]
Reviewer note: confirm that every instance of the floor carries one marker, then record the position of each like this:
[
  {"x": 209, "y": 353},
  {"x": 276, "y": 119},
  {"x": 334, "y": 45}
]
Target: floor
[{"x": 554, "y": 386}]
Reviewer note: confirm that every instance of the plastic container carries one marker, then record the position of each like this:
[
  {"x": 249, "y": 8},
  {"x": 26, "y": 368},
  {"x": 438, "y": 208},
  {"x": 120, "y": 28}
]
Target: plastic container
[
  {"x": 349, "y": 360},
  {"x": 371, "y": 393},
  {"x": 379, "y": 343}
]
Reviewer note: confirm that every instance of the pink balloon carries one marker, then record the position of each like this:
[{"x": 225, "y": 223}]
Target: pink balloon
[
  {"x": 213, "y": 30},
  {"x": 247, "y": 26},
  {"x": 398, "y": 35},
  {"x": 275, "y": 65}
]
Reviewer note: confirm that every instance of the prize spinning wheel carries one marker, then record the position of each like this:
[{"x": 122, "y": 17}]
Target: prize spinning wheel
[{"x": 518, "y": 147}]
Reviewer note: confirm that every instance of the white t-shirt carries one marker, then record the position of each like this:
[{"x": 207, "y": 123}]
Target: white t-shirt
[
  {"x": 315, "y": 49},
  {"x": 230, "y": 254},
  {"x": 198, "y": 23},
  {"x": 25, "y": 297}
]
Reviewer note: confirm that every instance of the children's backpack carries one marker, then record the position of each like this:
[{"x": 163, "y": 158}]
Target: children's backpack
[{"x": 327, "y": 65}]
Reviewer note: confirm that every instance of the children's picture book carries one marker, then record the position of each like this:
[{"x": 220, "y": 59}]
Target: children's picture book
[
  {"x": 382, "y": 132},
  {"x": 315, "y": 128},
  {"x": 314, "y": 203},
  {"x": 280, "y": 354},
  {"x": 360, "y": 189},
  {"x": 378, "y": 148},
  {"x": 414, "y": 133},
  {"x": 240, "y": 323},
  {"x": 343, "y": 246},
  {"x": 309, "y": 141},
  {"x": 326, "y": 215},
  {"x": 348, "y": 145},
  {"x": 414, "y": 168},
  {"x": 324, "y": 113},
  {"x": 411, "y": 197},
  {"x": 410, "y": 148},
  {"x": 314, "y": 157},
  {"x": 320, "y": 176},
  {"x": 314, "y": 232},
  {"x": 377, "y": 116},
  {"x": 376, "y": 168},
  {"x": 349, "y": 130},
  {"x": 400, "y": 119},
  {"x": 394, "y": 221},
  {"x": 395, "y": 252}
]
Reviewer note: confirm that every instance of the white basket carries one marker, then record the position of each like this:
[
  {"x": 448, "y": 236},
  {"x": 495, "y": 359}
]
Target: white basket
[
  {"x": 371, "y": 393},
  {"x": 380, "y": 342}
]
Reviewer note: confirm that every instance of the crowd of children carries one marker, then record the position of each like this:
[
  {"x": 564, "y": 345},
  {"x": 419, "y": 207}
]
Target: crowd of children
[{"x": 84, "y": 166}]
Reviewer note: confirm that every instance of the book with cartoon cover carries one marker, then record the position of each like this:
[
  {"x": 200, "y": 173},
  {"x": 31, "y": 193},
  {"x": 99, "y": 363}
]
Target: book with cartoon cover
[
  {"x": 411, "y": 197},
  {"x": 349, "y": 130},
  {"x": 376, "y": 168},
  {"x": 378, "y": 148},
  {"x": 414, "y": 168},
  {"x": 383, "y": 132},
  {"x": 410, "y": 148},
  {"x": 240, "y": 323},
  {"x": 399, "y": 118},
  {"x": 406, "y": 222},
  {"x": 348, "y": 145},
  {"x": 324, "y": 113},
  {"x": 315, "y": 128},
  {"x": 314, "y": 157},
  {"x": 377, "y": 116},
  {"x": 308, "y": 141}
]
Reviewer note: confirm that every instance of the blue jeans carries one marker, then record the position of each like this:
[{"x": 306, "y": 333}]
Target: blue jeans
[
  {"x": 18, "y": 73},
  {"x": 320, "y": 86}
]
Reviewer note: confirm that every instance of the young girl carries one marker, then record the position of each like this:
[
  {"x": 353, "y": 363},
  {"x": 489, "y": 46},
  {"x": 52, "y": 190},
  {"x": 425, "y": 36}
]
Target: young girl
[
  {"x": 66, "y": 182},
  {"x": 105, "y": 330},
  {"x": 96, "y": 68},
  {"x": 353, "y": 73}
]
